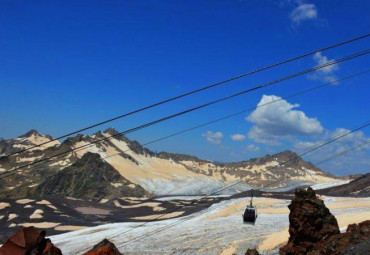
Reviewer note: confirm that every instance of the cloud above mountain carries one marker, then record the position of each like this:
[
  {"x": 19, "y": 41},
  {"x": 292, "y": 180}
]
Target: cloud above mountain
[
  {"x": 349, "y": 152},
  {"x": 282, "y": 125},
  {"x": 346, "y": 140},
  {"x": 213, "y": 137},
  {"x": 280, "y": 120}
]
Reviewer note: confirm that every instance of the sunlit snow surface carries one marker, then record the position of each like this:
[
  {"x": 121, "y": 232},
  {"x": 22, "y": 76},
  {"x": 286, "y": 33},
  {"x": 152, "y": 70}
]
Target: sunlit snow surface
[{"x": 205, "y": 232}]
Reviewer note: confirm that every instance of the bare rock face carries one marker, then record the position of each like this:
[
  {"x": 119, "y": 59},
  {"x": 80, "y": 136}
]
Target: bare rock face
[
  {"x": 28, "y": 241},
  {"x": 356, "y": 240},
  {"x": 89, "y": 178},
  {"x": 310, "y": 222},
  {"x": 105, "y": 247},
  {"x": 252, "y": 252}
]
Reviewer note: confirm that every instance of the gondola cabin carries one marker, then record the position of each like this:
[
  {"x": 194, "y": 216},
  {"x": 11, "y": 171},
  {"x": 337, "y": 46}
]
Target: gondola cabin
[{"x": 250, "y": 212}]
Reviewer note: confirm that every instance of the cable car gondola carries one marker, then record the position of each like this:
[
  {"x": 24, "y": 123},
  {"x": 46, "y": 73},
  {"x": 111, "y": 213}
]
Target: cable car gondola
[{"x": 250, "y": 212}]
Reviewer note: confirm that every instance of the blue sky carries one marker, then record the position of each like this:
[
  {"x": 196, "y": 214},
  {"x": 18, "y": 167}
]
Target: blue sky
[{"x": 66, "y": 65}]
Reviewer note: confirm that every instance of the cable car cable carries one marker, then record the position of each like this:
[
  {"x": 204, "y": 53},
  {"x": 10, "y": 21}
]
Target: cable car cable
[
  {"x": 195, "y": 91},
  {"x": 358, "y": 54}
]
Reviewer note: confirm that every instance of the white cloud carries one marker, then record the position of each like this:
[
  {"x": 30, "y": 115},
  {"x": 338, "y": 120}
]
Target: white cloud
[
  {"x": 321, "y": 59},
  {"x": 301, "y": 145},
  {"x": 213, "y": 137},
  {"x": 326, "y": 74},
  {"x": 238, "y": 137},
  {"x": 273, "y": 122},
  {"x": 351, "y": 161},
  {"x": 253, "y": 147},
  {"x": 282, "y": 123},
  {"x": 345, "y": 140},
  {"x": 303, "y": 12}
]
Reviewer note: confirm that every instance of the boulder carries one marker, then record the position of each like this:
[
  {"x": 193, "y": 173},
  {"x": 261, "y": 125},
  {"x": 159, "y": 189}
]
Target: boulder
[
  {"x": 105, "y": 247},
  {"x": 310, "y": 222},
  {"x": 28, "y": 241},
  {"x": 252, "y": 252}
]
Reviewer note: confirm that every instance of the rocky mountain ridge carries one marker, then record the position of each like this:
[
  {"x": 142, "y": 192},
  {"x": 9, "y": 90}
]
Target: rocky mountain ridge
[
  {"x": 89, "y": 178},
  {"x": 359, "y": 187},
  {"x": 158, "y": 173}
]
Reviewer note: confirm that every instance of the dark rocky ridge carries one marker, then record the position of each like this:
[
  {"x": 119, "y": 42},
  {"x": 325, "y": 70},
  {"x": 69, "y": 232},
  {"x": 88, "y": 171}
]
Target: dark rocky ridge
[
  {"x": 133, "y": 145},
  {"x": 89, "y": 178},
  {"x": 180, "y": 157},
  {"x": 359, "y": 187},
  {"x": 351, "y": 176}
]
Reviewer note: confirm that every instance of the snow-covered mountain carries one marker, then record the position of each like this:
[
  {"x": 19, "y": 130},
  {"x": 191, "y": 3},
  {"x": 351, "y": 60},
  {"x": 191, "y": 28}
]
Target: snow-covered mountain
[{"x": 158, "y": 173}]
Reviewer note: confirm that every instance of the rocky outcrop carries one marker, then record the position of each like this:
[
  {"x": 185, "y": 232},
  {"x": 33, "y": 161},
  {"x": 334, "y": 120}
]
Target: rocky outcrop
[
  {"x": 90, "y": 178},
  {"x": 105, "y": 247},
  {"x": 314, "y": 230},
  {"x": 356, "y": 240},
  {"x": 252, "y": 252},
  {"x": 310, "y": 222},
  {"x": 28, "y": 241}
]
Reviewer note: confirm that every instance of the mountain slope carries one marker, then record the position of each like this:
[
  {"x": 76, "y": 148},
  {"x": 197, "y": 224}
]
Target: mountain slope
[
  {"x": 90, "y": 178},
  {"x": 359, "y": 187},
  {"x": 158, "y": 173}
]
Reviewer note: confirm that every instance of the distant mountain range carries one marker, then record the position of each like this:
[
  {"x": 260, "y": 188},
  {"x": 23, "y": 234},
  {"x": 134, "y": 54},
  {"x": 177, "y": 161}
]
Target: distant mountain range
[{"x": 120, "y": 167}]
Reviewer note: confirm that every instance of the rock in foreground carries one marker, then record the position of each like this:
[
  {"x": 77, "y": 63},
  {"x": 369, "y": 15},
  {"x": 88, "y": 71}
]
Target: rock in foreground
[
  {"x": 314, "y": 230},
  {"x": 310, "y": 222},
  {"x": 29, "y": 241},
  {"x": 105, "y": 247},
  {"x": 356, "y": 240}
]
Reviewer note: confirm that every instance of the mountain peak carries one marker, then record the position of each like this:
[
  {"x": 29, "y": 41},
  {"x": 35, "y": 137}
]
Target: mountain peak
[
  {"x": 286, "y": 153},
  {"x": 117, "y": 135},
  {"x": 111, "y": 131},
  {"x": 30, "y": 133}
]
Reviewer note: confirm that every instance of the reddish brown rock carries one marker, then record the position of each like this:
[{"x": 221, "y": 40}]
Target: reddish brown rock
[
  {"x": 105, "y": 247},
  {"x": 310, "y": 222},
  {"x": 28, "y": 241},
  {"x": 252, "y": 252},
  {"x": 356, "y": 240}
]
